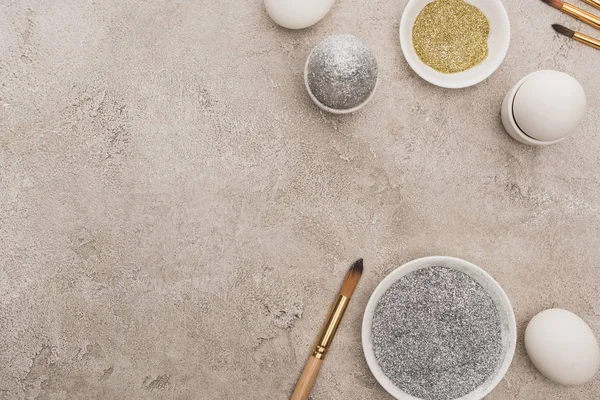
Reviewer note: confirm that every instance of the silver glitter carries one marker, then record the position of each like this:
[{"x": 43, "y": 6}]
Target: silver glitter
[
  {"x": 342, "y": 72},
  {"x": 437, "y": 334}
]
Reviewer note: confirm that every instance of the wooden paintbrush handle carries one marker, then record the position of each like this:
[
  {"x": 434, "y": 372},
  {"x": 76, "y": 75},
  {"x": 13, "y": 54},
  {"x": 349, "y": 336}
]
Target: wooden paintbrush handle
[{"x": 305, "y": 383}]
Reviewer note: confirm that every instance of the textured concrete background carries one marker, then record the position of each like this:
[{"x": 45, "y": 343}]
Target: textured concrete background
[{"x": 176, "y": 215}]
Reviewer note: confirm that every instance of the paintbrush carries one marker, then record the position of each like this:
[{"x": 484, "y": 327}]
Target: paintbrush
[
  {"x": 575, "y": 12},
  {"x": 580, "y": 37},
  {"x": 593, "y": 3},
  {"x": 313, "y": 365}
]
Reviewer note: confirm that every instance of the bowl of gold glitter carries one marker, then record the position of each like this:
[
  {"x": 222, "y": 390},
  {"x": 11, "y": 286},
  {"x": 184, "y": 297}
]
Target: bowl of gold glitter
[{"x": 454, "y": 43}]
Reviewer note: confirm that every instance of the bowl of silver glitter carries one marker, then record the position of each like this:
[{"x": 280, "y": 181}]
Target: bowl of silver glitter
[
  {"x": 341, "y": 74},
  {"x": 439, "y": 328}
]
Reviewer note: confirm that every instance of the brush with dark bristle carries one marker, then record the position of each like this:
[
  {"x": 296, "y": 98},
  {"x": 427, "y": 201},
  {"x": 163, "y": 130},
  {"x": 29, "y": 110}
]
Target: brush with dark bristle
[
  {"x": 575, "y": 12},
  {"x": 580, "y": 37},
  {"x": 313, "y": 365},
  {"x": 352, "y": 278},
  {"x": 563, "y": 30}
]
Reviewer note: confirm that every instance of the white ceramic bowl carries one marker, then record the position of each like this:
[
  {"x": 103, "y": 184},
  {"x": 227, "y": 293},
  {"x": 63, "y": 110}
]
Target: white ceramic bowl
[
  {"x": 507, "y": 318},
  {"x": 498, "y": 43}
]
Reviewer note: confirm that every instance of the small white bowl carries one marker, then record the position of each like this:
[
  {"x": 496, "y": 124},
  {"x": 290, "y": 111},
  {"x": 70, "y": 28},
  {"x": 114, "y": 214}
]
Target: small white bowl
[
  {"x": 498, "y": 43},
  {"x": 329, "y": 109},
  {"x": 507, "y": 320}
]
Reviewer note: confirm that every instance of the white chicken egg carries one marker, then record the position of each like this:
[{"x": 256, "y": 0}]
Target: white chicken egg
[
  {"x": 298, "y": 14},
  {"x": 562, "y": 347},
  {"x": 549, "y": 105}
]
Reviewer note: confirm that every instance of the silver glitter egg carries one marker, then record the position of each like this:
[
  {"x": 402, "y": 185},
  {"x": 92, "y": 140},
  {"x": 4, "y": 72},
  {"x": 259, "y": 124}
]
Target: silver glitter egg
[{"x": 341, "y": 74}]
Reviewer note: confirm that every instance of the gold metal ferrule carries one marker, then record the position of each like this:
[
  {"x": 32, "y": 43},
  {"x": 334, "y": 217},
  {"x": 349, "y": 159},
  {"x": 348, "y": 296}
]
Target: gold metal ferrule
[
  {"x": 585, "y": 39},
  {"x": 331, "y": 324},
  {"x": 581, "y": 15},
  {"x": 593, "y": 3}
]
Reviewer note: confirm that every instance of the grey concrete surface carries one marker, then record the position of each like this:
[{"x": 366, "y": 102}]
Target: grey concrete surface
[{"x": 176, "y": 215}]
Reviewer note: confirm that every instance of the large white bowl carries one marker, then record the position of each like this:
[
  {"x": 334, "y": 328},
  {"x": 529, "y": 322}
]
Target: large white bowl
[
  {"x": 498, "y": 43},
  {"x": 507, "y": 319}
]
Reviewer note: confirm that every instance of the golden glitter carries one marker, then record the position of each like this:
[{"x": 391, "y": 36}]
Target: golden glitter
[{"x": 451, "y": 36}]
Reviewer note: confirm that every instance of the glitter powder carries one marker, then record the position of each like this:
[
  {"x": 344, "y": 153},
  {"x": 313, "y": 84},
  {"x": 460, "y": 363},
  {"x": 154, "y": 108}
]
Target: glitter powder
[
  {"x": 451, "y": 36},
  {"x": 437, "y": 334},
  {"x": 342, "y": 72}
]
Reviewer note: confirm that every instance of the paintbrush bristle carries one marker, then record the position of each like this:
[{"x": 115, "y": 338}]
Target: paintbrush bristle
[
  {"x": 352, "y": 278},
  {"x": 555, "y": 3},
  {"x": 563, "y": 30}
]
